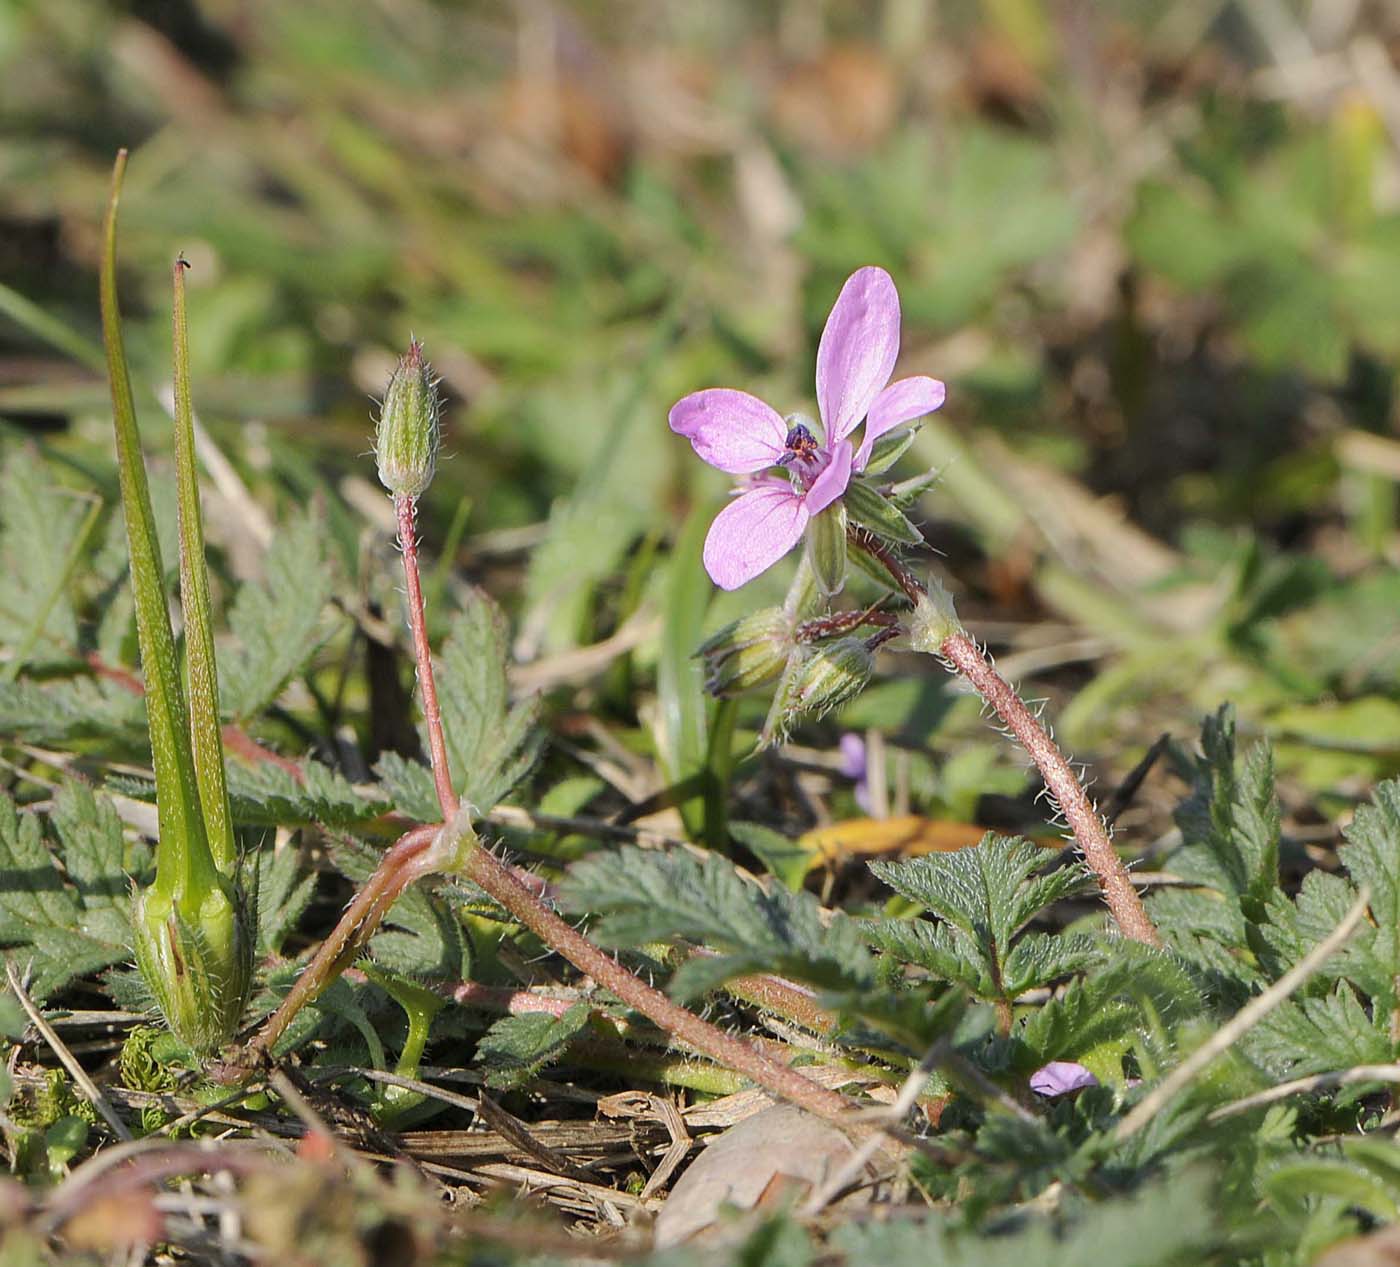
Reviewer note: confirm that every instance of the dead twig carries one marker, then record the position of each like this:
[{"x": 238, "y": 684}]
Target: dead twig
[{"x": 75, "y": 1071}]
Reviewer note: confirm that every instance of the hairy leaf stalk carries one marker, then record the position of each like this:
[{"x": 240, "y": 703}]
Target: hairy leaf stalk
[{"x": 454, "y": 847}]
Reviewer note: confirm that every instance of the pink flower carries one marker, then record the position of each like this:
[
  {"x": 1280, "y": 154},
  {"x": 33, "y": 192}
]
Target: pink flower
[{"x": 741, "y": 435}]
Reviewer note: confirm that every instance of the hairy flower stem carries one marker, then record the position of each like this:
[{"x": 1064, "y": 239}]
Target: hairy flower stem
[
  {"x": 406, "y": 508},
  {"x": 427, "y": 850},
  {"x": 499, "y": 881},
  {"x": 960, "y": 650}
]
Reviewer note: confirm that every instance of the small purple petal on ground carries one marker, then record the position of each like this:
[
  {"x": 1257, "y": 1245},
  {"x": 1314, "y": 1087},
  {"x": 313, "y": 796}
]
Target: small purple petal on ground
[
  {"x": 853, "y": 767},
  {"x": 1060, "y": 1077},
  {"x": 852, "y": 755}
]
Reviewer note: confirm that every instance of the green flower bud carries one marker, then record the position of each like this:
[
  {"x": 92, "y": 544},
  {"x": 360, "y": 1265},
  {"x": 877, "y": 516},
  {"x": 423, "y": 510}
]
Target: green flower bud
[
  {"x": 198, "y": 964},
  {"x": 832, "y": 676},
  {"x": 747, "y": 653},
  {"x": 826, "y": 548},
  {"x": 815, "y": 682},
  {"x": 406, "y": 438}
]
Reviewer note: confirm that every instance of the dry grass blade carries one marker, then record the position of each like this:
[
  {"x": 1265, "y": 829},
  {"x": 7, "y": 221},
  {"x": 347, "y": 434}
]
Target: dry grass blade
[
  {"x": 1243, "y": 1021},
  {"x": 1304, "y": 1086},
  {"x": 513, "y": 1129},
  {"x": 75, "y": 1071}
]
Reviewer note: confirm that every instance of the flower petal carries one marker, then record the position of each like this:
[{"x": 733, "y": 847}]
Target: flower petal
[
  {"x": 858, "y": 350},
  {"x": 831, "y": 483},
  {"x": 852, "y": 749},
  {"x": 1060, "y": 1077},
  {"x": 900, "y": 402},
  {"x": 752, "y": 533},
  {"x": 730, "y": 429}
]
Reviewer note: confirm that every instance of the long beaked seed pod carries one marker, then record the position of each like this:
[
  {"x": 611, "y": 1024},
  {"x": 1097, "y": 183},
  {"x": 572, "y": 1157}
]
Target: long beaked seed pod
[
  {"x": 193, "y": 928},
  {"x": 407, "y": 435}
]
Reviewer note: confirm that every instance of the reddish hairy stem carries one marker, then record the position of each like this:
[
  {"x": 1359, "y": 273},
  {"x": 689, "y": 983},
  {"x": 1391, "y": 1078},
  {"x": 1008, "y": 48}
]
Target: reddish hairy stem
[
  {"x": 1088, "y": 828},
  {"x": 414, "y": 856},
  {"x": 355, "y": 927},
  {"x": 786, "y": 998},
  {"x": 963, "y": 653},
  {"x": 734, "y": 1053},
  {"x": 407, "y": 510}
]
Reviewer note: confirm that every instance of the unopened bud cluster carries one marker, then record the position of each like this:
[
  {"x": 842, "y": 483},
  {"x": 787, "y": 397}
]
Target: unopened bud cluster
[{"x": 406, "y": 438}]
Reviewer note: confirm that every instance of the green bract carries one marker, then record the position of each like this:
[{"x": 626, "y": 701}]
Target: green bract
[{"x": 192, "y": 929}]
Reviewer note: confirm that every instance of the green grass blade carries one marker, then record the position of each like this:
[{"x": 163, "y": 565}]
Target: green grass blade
[
  {"x": 685, "y": 726},
  {"x": 185, "y": 869},
  {"x": 201, "y": 670},
  {"x": 26, "y": 314}
]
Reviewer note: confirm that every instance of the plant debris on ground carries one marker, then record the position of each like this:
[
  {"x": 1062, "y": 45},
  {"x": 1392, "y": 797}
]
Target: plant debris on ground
[{"x": 645, "y": 920}]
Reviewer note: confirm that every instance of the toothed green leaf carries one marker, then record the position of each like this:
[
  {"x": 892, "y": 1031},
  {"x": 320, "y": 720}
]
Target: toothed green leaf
[
  {"x": 513, "y": 1051},
  {"x": 40, "y": 522},
  {"x": 271, "y": 795},
  {"x": 643, "y": 897},
  {"x": 70, "y": 709},
  {"x": 279, "y": 622},
  {"x": 62, "y": 930},
  {"x": 1230, "y": 824}
]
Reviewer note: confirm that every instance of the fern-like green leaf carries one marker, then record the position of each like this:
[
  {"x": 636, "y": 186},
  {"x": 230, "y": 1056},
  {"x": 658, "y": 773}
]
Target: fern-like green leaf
[
  {"x": 277, "y": 623},
  {"x": 269, "y": 794},
  {"x": 513, "y": 1051},
  {"x": 39, "y": 523},
  {"x": 63, "y": 931},
  {"x": 983, "y": 897},
  {"x": 642, "y": 897},
  {"x": 1230, "y": 823},
  {"x": 65, "y": 710}
]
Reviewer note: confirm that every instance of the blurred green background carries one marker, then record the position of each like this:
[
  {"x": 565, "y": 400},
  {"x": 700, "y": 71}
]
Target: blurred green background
[{"x": 1154, "y": 249}]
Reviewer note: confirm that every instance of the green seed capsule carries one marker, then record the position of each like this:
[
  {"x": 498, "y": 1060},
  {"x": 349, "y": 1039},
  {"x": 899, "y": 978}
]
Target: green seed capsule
[
  {"x": 406, "y": 438},
  {"x": 826, "y": 548},
  {"x": 815, "y": 682}
]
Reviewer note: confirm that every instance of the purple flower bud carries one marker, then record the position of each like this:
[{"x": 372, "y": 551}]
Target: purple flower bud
[{"x": 406, "y": 438}]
